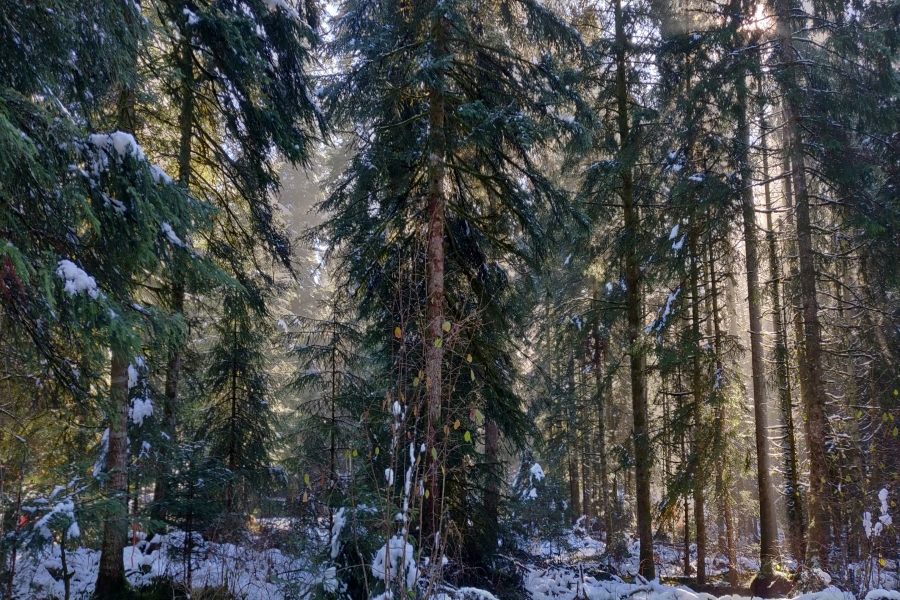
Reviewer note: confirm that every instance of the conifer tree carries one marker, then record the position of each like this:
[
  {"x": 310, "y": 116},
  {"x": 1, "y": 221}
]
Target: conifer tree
[
  {"x": 451, "y": 171},
  {"x": 237, "y": 75}
]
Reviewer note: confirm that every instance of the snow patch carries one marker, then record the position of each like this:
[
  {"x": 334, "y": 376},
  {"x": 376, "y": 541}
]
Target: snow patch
[
  {"x": 387, "y": 561},
  {"x": 140, "y": 410},
  {"x": 76, "y": 279},
  {"x": 171, "y": 235}
]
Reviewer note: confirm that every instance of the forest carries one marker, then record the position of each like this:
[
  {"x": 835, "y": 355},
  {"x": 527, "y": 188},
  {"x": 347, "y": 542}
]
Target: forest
[{"x": 449, "y": 299}]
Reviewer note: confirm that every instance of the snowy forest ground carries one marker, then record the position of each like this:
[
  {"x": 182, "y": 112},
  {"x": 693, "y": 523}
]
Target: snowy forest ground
[{"x": 571, "y": 566}]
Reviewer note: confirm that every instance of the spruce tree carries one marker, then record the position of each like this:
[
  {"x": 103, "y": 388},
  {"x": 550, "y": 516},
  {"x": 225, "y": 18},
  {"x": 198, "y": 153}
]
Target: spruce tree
[
  {"x": 447, "y": 106},
  {"x": 240, "y": 97}
]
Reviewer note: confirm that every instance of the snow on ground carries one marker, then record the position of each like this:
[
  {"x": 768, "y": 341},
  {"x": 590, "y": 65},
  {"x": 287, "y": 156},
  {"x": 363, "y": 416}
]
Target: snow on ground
[
  {"x": 574, "y": 583},
  {"x": 248, "y": 573},
  {"x": 567, "y": 568},
  {"x": 568, "y": 583}
]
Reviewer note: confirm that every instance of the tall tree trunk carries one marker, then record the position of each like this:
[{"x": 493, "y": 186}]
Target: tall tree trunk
[
  {"x": 768, "y": 546},
  {"x": 572, "y": 446},
  {"x": 492, "y": 488},
  {"x": 698, "y": 388},
  {"x": 599, "y": 376},
  {"x": 434, "y": 350},
  {"x": 584, "y": 451},
  {"x": 173, "y": 369},
  {"x": 332, "y": 434},
  {"x": 796, "y": 526},
  {"x": 634, "y": 302},
  {"x": 811, "y": 387},
  {"x": 726, "y": 531},
  {"x": 111, "y": 574},
  {"x": 232, "y": 433},
  {"x": 586, "y": 474},
  {"x": 686, "y": 534},
  {"x": 574, "y": 492}
]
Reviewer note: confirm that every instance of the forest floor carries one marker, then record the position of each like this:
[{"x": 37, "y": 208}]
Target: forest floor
[
  {"x": 571, "y": 567},
  {"x": 576, "y": 567}
]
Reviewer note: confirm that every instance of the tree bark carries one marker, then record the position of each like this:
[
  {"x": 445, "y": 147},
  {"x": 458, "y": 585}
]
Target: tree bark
[
  {"x": 572, "y": 446},
  {"x": 111, "y": 575},
  {"x": 796, "y": 527},
  {"x": 434, "y": 351},
  {"x": 811, "y": 387},
  {"x": 698, "y": 388},
  {"x": 634, "y": 302},
  {"x": 492, "y": 488},
  {"x": 726, "y": 531},
  {"x": 586, "y": 473},
  {"x": 111, "y": 581},
  {"x": 599, "y": 375},
  {"x": 768, "y": 550}
]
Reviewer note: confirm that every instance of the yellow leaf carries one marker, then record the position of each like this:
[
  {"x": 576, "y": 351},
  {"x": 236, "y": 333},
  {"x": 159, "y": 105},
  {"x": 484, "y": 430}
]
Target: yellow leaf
[
  {"x": 306, "y": 479},
  {"x": 467, "y": 436},
  {"x": 415, "y": 382},
  {"x": 305, "y": 497},
  {"x": 456, "y": 424},
  {"x": 346, "y": 454},
  {"x": 884, "y": 417},
  {"x": 421, "y": 374},
  {"x": 446, "y": 326},
  {"x": 859, "y": 415},
  {"x": 472, "y": 374},
  {"x": 478, "y": 416},
  {"x": 438, "y": 343},
  {"x": 895, "y": 432},
  {"x": 468, "y": 358},
  {"x": 427, "y": 494},
  {"x": 446, "y": 430},
  {"x": 434, "y": 454},
  {"x": 398, "y": 333},
  {"x": 355, "y": 453},
  {"x": 881, "y": 562},
  {"x": 377, "y": 450},
  {"x": 895, "y": 392}
]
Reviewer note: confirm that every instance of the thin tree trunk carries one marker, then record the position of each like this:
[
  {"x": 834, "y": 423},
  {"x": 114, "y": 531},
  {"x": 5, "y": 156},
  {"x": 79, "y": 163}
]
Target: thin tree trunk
[
  {"x": 687, "y": 517},
  {"x": 586, "y": 473},
  {"x": 572, "y": 431},
  {"x": 792, "y": 495},
  {"x": 599, "y": 347},
  {"x": 232, "y": 434},
  {"x": 698, "y": 388},
  {"x": 726, "y": 531},
  {"x": 634, "y": 302},
  {"x": 492, "y": 489},
  {"x": 768, "y": 550},
  {"x": 173, "y": 370},
  {"x": 111, "y": 574},
  {"x": 574, "y": 493},
  {"x": 434, "y": 351},
  {"x": 332, "y": 450},
  {"x": 11, "y": 575},
  {"x": 811, "y": 387}
]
